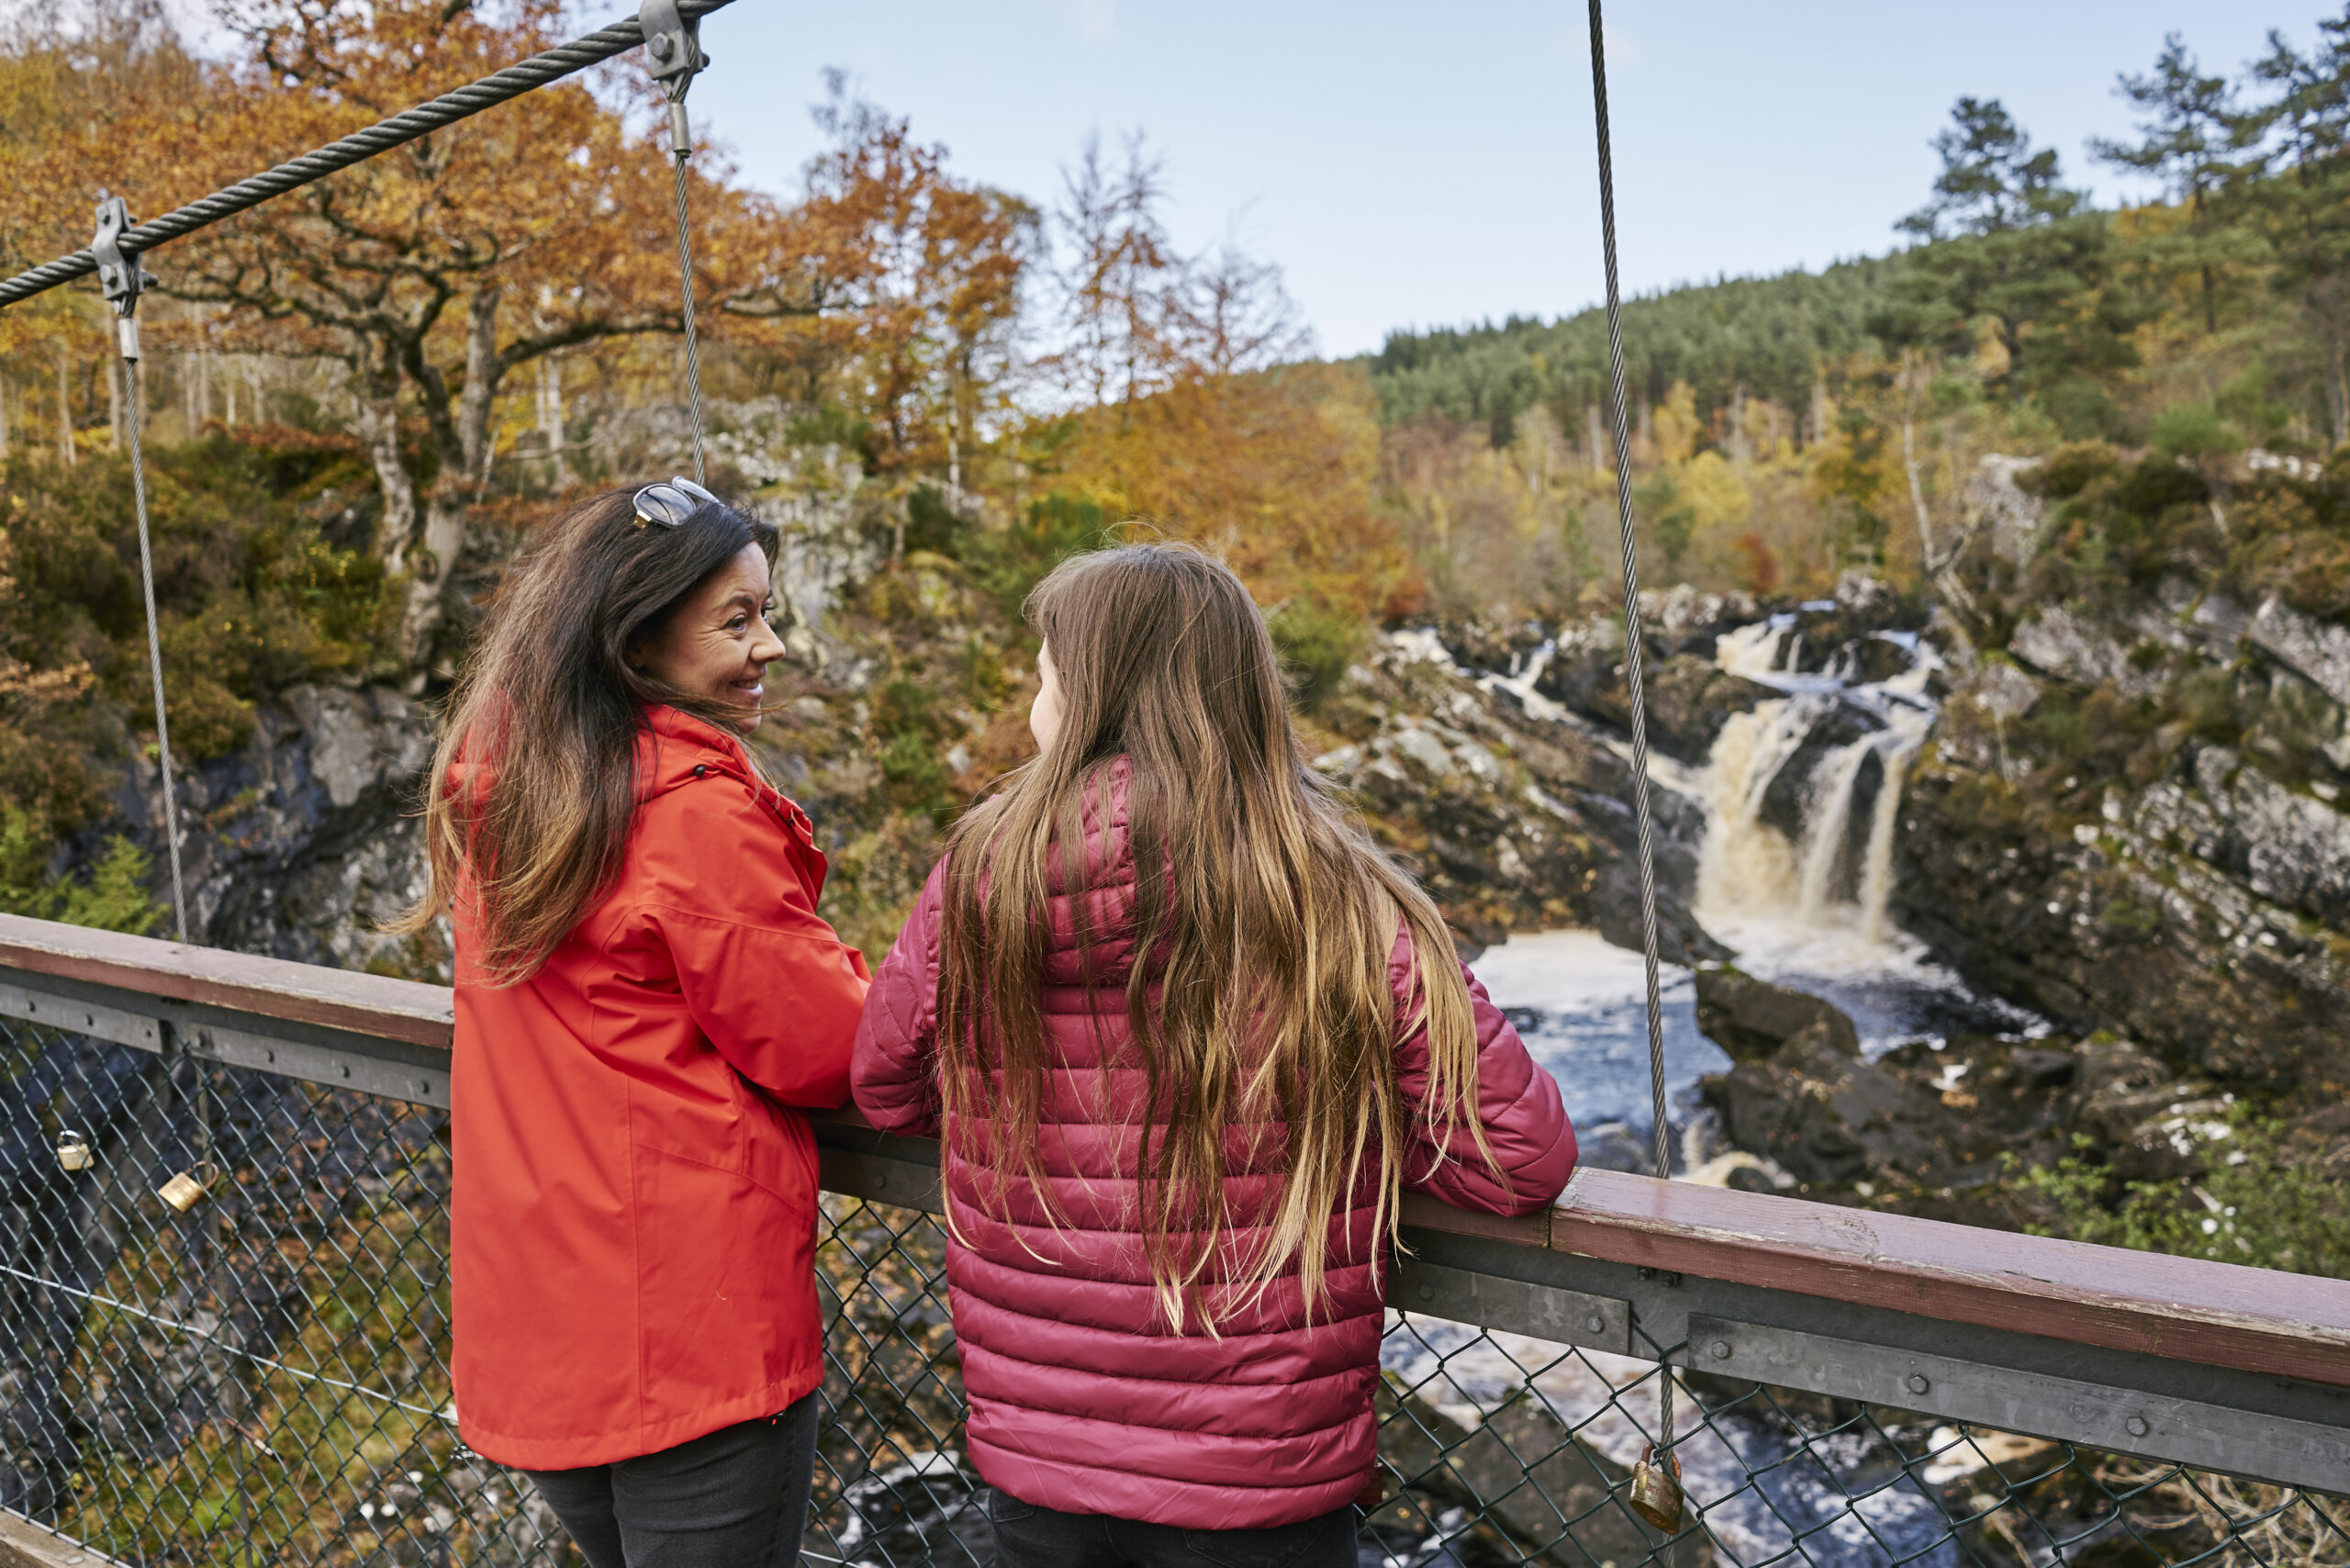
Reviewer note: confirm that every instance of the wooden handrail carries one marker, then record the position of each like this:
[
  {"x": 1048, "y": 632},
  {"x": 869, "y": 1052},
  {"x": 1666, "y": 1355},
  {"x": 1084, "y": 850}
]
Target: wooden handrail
[
  {"x": 407, "y": 1010},
  {"x": 2254, "y": 1320}
]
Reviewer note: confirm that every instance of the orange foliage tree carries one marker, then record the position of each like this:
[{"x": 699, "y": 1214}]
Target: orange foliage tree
[{"x": 1187, "y": 416}]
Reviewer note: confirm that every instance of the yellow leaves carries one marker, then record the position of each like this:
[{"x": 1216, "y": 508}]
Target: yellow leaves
[
  {"x": 1715, "y": 494},
  {"x": 1273, "y": 470},
  {"x": 1676, "y": 425}
]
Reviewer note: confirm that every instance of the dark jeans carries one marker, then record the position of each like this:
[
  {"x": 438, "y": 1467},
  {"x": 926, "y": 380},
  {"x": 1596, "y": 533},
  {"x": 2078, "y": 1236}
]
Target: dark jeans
[
  {"x": 1029, "y": 1537},
  {"x": 737, "y": 1498}
]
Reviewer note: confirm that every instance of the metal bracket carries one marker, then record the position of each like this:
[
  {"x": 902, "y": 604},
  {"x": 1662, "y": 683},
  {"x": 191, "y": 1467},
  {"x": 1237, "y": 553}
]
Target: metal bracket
[
  {"x": 1545, "y": 1312},
  {"x": 81, "y": 1017},
  {"x": 880, "y": 1179},
  {"x": 2099, "y": 1415},
  {"x": 120, "y": 276},
  {"x": 674, "y": 43},
  {"x": 413, "y": 1082}
]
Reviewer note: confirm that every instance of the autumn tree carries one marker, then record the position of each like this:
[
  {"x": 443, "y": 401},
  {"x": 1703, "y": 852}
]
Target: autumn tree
[
  {"x": 430, "y": 273},
  {"x": 1188, "y": 413},
  {"x": 905, "y": 291}
]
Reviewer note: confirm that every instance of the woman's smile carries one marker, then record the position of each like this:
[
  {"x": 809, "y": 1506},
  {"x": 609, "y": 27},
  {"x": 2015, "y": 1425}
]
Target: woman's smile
[{"x": 717, "y": 645}]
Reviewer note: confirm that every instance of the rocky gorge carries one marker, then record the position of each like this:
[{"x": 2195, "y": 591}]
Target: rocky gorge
[{"x": 2116, "y": 815}]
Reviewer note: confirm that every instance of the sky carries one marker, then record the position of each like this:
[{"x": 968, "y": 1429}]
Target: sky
[{"x": 1432, "y": 164}]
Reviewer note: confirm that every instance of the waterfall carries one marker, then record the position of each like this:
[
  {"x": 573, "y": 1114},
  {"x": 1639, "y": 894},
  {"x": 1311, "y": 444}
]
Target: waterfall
[
  {"x": 1745, "y": 866},
  {"x": 1749, "y": 870},
  {"x": 1827, "y": 822},
  {"x": 1901, "y": 743},
  {"x": 1750, "y": 651}
]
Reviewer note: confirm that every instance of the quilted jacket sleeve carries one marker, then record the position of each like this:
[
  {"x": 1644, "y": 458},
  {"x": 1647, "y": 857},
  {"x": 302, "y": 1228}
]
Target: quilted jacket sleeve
[
  {"x": 1525, "y": 1125},
  {"x": 894, "y": 1069},
  {"x": 775, "y": 991}
]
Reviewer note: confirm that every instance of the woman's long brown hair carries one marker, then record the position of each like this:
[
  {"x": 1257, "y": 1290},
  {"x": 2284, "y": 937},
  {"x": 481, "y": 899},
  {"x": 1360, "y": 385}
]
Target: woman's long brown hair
[
  {"x": 534, "y": 783},
  {"x": 1259, "y": 999}
]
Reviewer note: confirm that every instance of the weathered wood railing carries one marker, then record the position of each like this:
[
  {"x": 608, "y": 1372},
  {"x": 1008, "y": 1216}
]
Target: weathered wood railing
[{"x": 2235, "y": 1370}]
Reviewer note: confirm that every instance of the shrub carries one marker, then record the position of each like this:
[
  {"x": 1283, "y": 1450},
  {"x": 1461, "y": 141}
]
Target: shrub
[
  {"x": 113, "y": 899},
  {"x": 2262, "y": 1200}
]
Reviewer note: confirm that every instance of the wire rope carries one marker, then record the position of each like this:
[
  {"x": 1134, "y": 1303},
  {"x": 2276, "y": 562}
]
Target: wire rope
[
  {"x": 404, "y": 127},
  {"x": 129, "y": 370},
  {"x": 693, "y": 352},
  {"x": 1632, "y": 652}
]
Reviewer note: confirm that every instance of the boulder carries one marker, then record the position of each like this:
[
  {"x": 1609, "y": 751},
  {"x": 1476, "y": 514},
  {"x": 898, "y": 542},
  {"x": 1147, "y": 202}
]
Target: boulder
[
  {"x": 1616, "y": 903},
  {"x": 1689, "y": 697},
  {"x": 1825, "y": 1117},
  {"x": 1751, "y": 1019}
]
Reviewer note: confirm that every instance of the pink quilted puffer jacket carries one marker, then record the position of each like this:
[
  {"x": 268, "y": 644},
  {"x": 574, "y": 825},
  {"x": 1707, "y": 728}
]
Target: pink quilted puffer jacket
[{"x": 1081, "y": 1398}]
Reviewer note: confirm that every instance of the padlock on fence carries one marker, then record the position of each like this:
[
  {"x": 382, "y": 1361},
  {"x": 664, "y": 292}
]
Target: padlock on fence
[
  {"x": 72, "y": 1151},
  {"x": 186, "y": 1188},
  {"x": 1656, "y": 1490}
]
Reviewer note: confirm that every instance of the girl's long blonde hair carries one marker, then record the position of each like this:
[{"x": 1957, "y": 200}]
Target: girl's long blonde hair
[{"x": 1263, "y": 918}]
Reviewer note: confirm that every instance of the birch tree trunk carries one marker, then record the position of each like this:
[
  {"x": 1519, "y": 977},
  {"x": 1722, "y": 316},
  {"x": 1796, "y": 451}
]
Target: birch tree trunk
[{"x": 64, "y": 412}]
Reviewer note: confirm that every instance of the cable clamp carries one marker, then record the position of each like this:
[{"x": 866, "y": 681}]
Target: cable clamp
[
  {"x": 674, "y": 44},
  {"x": 120, "y": 276}
]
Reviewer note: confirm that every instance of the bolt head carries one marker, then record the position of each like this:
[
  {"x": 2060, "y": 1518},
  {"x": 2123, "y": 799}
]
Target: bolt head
[
  {"x": 660, "y": 46},
  {"x": 1595, "y": 1324},
  {"x": 2138, "y": 1428},
  {"x": 1428, "y": 1292},
  {"x": 1917, "y": 1383},
  {"x": 1720, "y": 1348}
]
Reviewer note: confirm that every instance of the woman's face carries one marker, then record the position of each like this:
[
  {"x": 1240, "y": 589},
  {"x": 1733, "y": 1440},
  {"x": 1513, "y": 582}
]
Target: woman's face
[
  {"x": 717, "y": 645},
  {"x": 1044, "y": 713}
]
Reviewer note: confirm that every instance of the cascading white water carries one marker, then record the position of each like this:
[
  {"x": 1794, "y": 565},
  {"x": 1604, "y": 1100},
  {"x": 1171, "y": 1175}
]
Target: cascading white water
[
  {"x": 1827, "y": 823},
  {"x": 1749, "y": 870},
  {"x": 1745, "y": 867}
]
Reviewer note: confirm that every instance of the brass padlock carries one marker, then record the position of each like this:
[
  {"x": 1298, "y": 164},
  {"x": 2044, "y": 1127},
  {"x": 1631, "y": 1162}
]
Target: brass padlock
[
  {"x": 72, "y": 1151},
  {"x": 186, "y": 1189},
  {"x": 1656, "y": 1490}
]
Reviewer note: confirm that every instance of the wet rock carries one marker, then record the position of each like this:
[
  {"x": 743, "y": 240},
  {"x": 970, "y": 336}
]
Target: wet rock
[
  {"x": 1616, "y": 908},
  {"x": 1835, "y": 727},
  {"x": 1689, "y": 699},
  {"x": 1517, "y": 819},
  {"x": 1829, "y": 1117},
  {"x": 1752, "y": 1018},
  {"x": 1612, "y": 1146},
  {"x": 1880, "y": 658}
]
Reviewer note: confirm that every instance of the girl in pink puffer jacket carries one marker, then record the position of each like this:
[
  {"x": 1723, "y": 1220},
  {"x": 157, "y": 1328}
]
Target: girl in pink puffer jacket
[{"x": 1179, "y": 1107}]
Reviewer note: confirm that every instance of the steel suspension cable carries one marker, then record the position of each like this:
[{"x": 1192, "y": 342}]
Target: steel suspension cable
[
  {"x": 693, "y": 352},
  {"x": 1632, "y": 669},
  {"x": 137, "y": 410},
  {"x": 447, "y": 109},
  {"x": 122, "y": 280},
  {"x": 673, "y": 42}
]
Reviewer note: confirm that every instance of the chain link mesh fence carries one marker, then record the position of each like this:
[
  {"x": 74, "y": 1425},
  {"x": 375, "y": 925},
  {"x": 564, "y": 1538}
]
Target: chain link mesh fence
[{"x": 262, "y": 1380}]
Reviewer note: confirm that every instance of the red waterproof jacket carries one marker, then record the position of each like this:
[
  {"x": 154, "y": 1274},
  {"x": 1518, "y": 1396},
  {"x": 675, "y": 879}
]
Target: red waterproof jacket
[
  {"x": 633, "y": 1223},
  {"x": 1081, "y": 1399}
]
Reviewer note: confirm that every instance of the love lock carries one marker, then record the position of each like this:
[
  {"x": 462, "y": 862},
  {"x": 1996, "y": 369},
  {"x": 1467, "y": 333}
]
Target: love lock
[
  {"x": 72, "y": 1151},
  {"x": 186, "y": 1188},
  {"x": 1656, "y": 1490}
]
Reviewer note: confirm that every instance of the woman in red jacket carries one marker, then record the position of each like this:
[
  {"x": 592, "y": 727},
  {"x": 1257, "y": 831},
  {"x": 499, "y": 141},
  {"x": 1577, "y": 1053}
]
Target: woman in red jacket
[
  {"x": 1190, "y": 1036},
  {"x": 644, "y": 992}
]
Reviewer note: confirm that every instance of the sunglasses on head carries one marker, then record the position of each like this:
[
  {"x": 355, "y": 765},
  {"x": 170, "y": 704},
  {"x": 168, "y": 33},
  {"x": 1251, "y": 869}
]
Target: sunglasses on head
[{"x": 670, "y": 505}]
